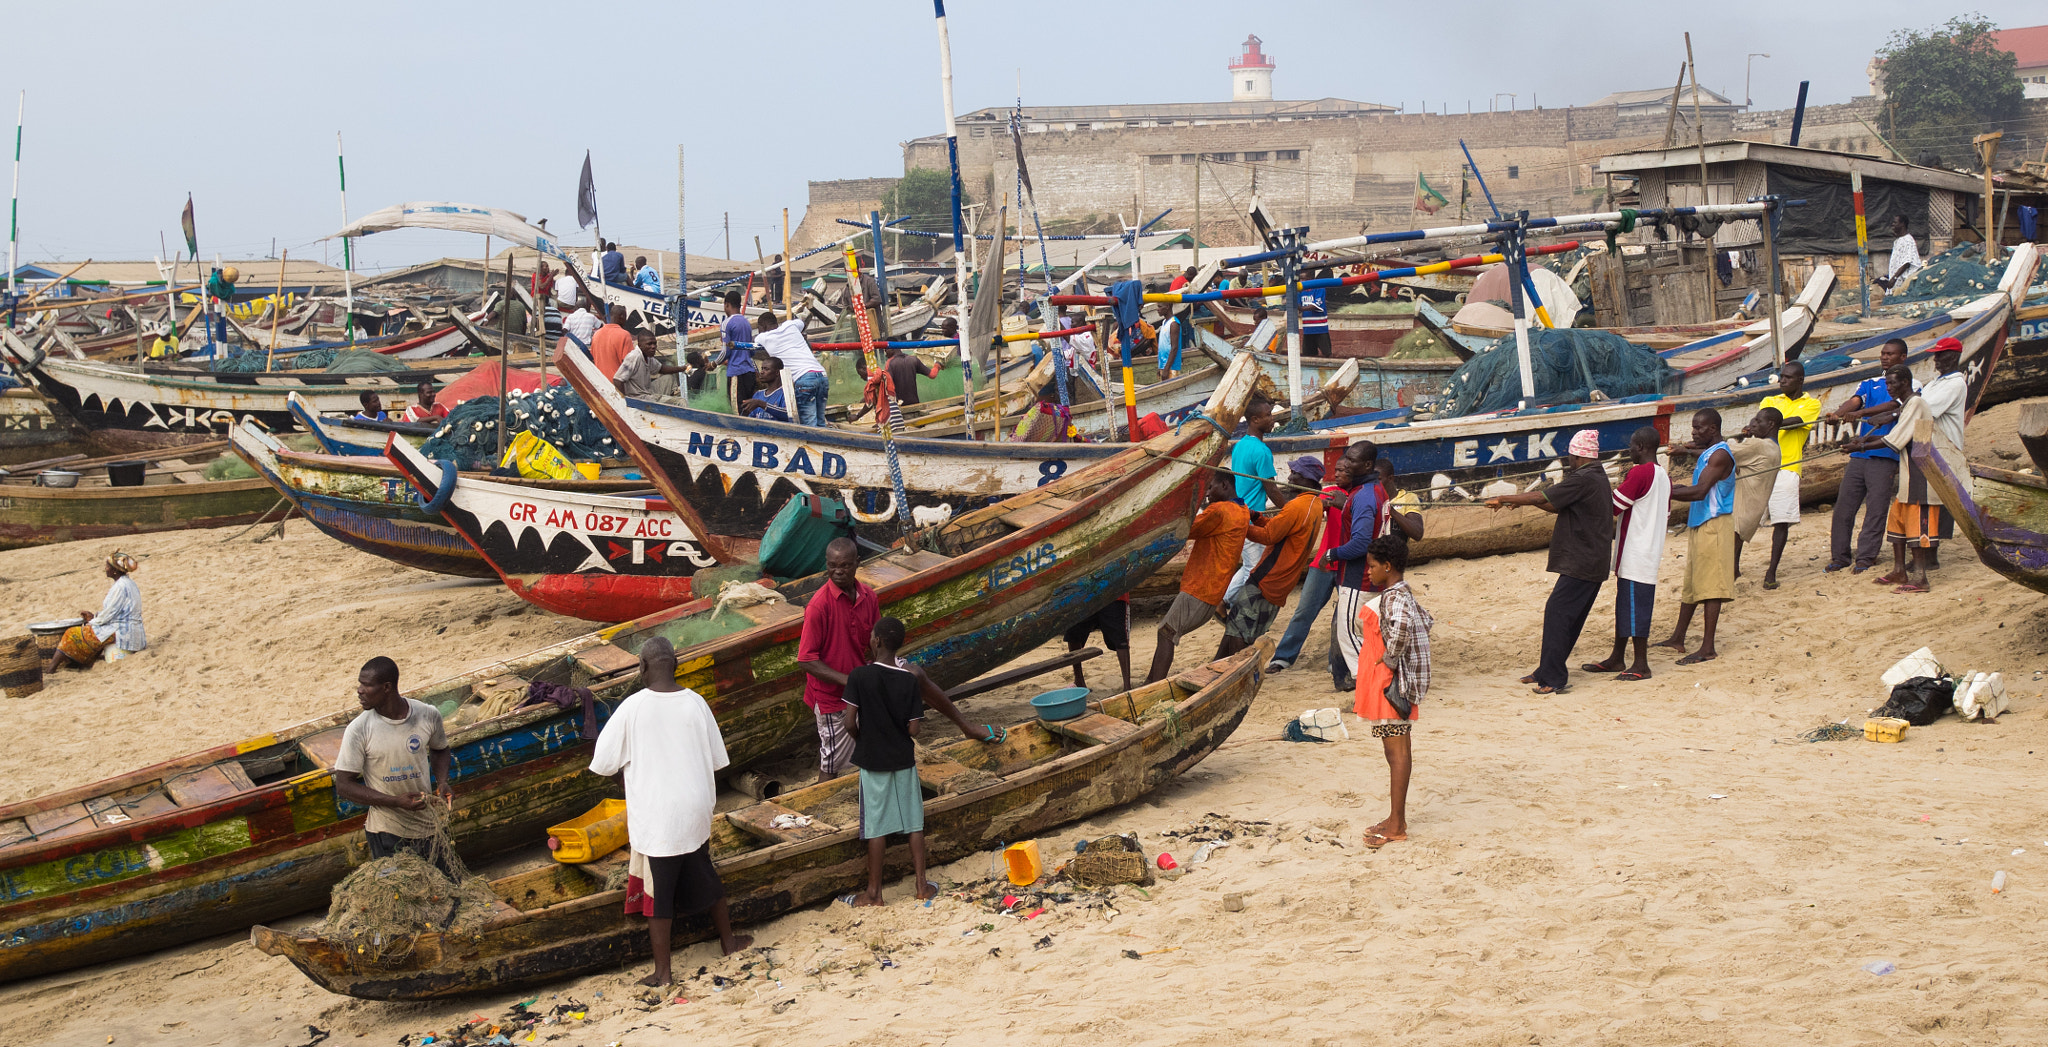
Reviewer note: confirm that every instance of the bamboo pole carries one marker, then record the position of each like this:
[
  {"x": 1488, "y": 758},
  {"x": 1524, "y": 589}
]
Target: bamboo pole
[
  {"x": 14, "y": 202},
  {"x": 1862, "y": 243},
  {"x": 505, "y": 348},
  {"x": 348, "y": 265},
  {"x": 1699, "y": 129},
  {"x": 276, "y": 307}
]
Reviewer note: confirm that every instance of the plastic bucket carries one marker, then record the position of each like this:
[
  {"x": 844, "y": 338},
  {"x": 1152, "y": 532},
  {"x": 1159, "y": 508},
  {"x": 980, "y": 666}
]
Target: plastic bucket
[
  {"x": 1023, "y": 862},
  {"x": 126, "y": 474}
]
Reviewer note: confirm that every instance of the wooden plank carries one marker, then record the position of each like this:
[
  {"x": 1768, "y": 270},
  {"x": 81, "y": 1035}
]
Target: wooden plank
[
  {"x": 943, "y": 776},
  {"x": 208, "y": 784},
  {"x": 755, "y": 821},
  {"x": 13, "y": 831},
  {"x": 923, "y": 559},
  {"x": 765, "y": 613},
  {"x": 135, "y": 805},
  {"x": 1095, "y": 729},
  {"x": 323, "y": 747},
  {"x": 1025, "y": 672},
  {"x": 1025, "y": 517},
  {"x": 606, "y": 660},
  {"x": 878, "y": 573},
  {"x": 68, "y": 820}
]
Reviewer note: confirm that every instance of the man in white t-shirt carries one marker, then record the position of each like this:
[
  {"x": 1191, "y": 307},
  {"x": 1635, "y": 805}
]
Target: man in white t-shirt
[
  {"x": 583, "y": 324},
  {"x": 1642, "y": 510},
  {"x": 785, "y": 342},
  {"x": 392, "y": 756},
  {"x": 666, "y": 740},
  {"x": 1905, "y": 259},
  {"x": 565, "y": 291}
]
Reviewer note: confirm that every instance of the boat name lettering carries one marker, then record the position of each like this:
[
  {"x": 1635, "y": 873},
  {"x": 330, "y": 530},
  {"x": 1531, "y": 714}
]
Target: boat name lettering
[
  {"x": 1020, "y": 567},
  {"x": 825, "y": 465},
  {"x": 10, "y": 890},
  {"x": 2032, "y": 329},
  {"x": 1051, "y": 470},
  {"x": 1465, "y": 453},
  {"x": 106, "y": 865}
]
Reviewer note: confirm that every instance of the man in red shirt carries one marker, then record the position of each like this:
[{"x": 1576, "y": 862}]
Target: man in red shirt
[
  {"x": 839, "y": 620},
  {"x": 425, "y": 409},
  {"x": 1218, "y": 536},
  {"x": 612, "y": 343}
]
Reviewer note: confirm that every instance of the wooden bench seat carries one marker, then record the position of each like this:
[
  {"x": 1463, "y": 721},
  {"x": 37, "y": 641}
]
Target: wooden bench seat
[
  {"x": 322, "y": 748},
  {"x": 943, "y": 776},
  {"x": 606, "y": 660},
  {"x": 1025, "y": 517},
  {"x": 208, "y": 784},
  {"x": 922, "y": 559},
  {"x": 755, "y": 821},
  {"x": 878, "y": 573},
  {"x": 769, "y": 613},
  {"x": 133, "y": 805},
  {"x": 1095, "y": 729},
  {"x": 68, "y": 820}
]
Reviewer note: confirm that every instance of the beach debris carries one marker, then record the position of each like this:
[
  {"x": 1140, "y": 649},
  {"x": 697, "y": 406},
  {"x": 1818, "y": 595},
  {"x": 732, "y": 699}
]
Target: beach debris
[
  {"x": 1233, "y": 903},
  {"x": 790, "y": 821},
  {"x": 1133, "y": 954},
  {"x": 1831, "y": 732},
  {"x": 1998, "y": 882},
  {"x": 1203, "y": 852},
  {"x": 382, "y": 905},
  {"x": 1318, "y": 725},
  {"x": 1980, "y": 696},
  {"x": 1879, "y": 967},
  {"x": 1166, "y": 861},
  {"x": 1109, "y": 861}
]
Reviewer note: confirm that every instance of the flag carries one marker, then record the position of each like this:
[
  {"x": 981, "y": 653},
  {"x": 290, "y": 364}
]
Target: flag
[
  {"x": 191, "y": 231},
  {"x": 1427, "y": 199},
  {"x": 586, "y": 196}
]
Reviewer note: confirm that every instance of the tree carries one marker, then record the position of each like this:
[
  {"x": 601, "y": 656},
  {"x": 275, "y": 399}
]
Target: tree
[
  {"x": 1945, "y": 86},
  {"x": 926, "y": 196}
]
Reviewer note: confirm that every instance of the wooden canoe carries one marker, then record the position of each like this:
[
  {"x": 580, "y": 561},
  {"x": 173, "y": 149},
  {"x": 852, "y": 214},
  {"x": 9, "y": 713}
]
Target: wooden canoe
[
  {"x": 738, "y": 472},
  {"x": 2002, "y": 514},
  {"x": 125, "y": 865},
  {"x": 558, "y": 922},
  {"x": 26, "y": 422},
  {"x": 2024, "y": 371},
  {"x": 366, "y": 502},
  {"x": 174, "y": 495},
  {"x": 599, "y": 557}
]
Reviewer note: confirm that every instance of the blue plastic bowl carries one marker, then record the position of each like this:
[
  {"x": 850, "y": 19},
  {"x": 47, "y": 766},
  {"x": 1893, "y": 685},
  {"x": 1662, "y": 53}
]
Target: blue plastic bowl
[{"x": 1063, "y": 704}]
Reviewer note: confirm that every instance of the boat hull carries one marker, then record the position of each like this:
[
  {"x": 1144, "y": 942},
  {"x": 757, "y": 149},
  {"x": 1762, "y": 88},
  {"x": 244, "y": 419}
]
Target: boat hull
[{"x": 46, "y": 515}]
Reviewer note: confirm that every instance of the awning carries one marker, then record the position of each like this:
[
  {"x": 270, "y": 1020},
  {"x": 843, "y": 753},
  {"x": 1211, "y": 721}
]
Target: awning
[{"x": 461, "y": 218}]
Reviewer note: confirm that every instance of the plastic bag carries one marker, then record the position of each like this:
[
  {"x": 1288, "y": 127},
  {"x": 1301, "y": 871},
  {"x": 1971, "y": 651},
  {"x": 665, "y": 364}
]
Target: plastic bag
[
  {"x": 1920, "y": 700},
  {"x": 536, "y": 458}
]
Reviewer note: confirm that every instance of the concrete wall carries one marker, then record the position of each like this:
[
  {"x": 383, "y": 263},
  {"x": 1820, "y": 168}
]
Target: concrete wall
[{"x": 850, "y": 198}]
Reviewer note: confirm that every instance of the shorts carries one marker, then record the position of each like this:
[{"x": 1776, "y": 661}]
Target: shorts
[
  {"x": 1922, "y": 525},
  {"x": 1187, "y": 614},
  {"x": 1633, "y": 602},
  {"x": 685, "y": 883},
  {"x": 1113, "y": 622},
  {"x": 835, "y": 742},
  {"x": 386, "y": 845},
  {"x": 1784, "y": 504},
  {"x": 1316, "y": 343},
  {"x": 1249, "y": 614},
  {"x": 890, "y": 802},
  {"x": 1710, "y": 561}
]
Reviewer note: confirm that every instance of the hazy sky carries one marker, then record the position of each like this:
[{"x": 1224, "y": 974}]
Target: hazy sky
[{"x": 131, "y": 105}]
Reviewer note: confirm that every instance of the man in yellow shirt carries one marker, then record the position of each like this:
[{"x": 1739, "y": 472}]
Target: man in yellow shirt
[{"x": 1799, "y": 412}]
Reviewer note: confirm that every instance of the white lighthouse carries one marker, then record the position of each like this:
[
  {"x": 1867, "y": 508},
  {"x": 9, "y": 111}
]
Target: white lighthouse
[{"x": 1251, "y": 74}]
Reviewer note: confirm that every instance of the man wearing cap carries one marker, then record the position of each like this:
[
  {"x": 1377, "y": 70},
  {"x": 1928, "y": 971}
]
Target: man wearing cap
[
  {"x": 1580, "y": 545},
  {"x": 1289, "y": 539},
  {"x": 1709, "y": 534}
]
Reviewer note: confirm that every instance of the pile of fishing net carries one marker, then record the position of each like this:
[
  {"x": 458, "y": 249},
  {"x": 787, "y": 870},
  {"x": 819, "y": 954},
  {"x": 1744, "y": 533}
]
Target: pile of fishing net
[
  {"x": 382, "y": 904},
  {"x": 469, "y": 437},
  {"x": 1567, "y": 366},
  {"x": 330, "y": 360}
]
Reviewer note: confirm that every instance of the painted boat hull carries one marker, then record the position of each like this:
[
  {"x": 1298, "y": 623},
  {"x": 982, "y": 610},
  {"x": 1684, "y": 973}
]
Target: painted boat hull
[
  {"x": 1351, "y": 335},
  {"x": 2003, "y": 515},
  {"x": 1382, "y": 384},
  {"x": 26, "y": 422},
  {"x": 602, "y": 558},
  {"x": 2024, "y": 371},
  {"x": 763, "y": 881},
  {"x": 46, "y": 515}
]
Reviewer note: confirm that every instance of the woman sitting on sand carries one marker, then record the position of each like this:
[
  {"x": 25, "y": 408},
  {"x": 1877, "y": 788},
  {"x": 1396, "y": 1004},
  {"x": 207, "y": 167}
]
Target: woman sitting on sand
[
  {"x": 116, "y": 631},
  {"x": 1393, "y": 674}
]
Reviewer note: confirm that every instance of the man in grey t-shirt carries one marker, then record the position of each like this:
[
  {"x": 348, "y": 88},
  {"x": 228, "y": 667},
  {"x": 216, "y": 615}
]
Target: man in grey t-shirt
[{"x": 391, "y": 757}]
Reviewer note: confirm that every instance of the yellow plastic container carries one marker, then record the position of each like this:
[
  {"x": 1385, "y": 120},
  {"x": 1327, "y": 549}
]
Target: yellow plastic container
[
  {"x": 590, "y": 835},
  {"x": 537, "y": 459},
  {"x": 585, "y": 470},
  {"x": 1024, "y": 862},
  {"x": 1885, "y": 729}
]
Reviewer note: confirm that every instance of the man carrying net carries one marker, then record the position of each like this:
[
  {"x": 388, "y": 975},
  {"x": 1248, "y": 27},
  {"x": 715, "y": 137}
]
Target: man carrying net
[{"x": 392, "y": 757}]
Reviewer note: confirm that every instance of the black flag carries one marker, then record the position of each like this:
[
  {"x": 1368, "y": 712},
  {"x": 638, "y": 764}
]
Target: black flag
[{"x": 586, "y": 196}]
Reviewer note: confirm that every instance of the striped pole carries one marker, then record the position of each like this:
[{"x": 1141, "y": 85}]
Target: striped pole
[
  {"x": 680, "y": 308},
  {"x": 348, "y": 285},
  {"x": 1862, "y": 242},
  {"x": 959, "y": 230},
  {"x": 888, "y": 405},
  {"x": 14, "y": 204}
]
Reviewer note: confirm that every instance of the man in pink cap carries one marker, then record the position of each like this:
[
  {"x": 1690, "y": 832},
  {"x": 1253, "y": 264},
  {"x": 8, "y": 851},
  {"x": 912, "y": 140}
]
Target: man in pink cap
[{"x": 1580, "y": 545}]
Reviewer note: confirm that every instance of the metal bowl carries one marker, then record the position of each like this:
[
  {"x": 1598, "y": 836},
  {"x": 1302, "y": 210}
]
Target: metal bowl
[{"x": 57, "y": 478}]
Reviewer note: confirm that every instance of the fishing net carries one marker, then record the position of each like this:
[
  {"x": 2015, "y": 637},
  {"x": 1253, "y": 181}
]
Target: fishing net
[
  {"x": 469, "y": 436},
  {"x": 1567, "y": 365},
  {"x": 381, "y": 906},
  {"x": 229, "y": 467},
  {"x": 332, "y": 361},
  {"x": 1959, "y": 271}
]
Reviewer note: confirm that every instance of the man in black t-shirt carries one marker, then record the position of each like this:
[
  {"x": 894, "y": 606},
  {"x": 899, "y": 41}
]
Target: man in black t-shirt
[{"x": 1581, "y": 546}]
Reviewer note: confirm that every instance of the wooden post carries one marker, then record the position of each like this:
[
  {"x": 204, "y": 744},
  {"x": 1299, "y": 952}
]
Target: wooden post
[
  {"x": 1699, "y": 129},
  {"x": 788, "y": 285},
  {"x": 276, "y": 307},
  {"x": 505, "y": 345},
  {"x": 1862, "y": 242},
  {"x": 1771, "y": 256},
  {"x": 1671, "y": 114},
  {"x": 1987, "y": 150},
  {"x": 1198, "y": 214}
]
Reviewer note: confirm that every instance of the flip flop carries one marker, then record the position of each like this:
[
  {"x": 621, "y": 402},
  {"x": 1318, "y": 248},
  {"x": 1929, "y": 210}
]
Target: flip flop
[
  {"x": 996, "y": 735},
  {"x": 848, "y": 899},
  {"x": 1543, "y": 689},
  {"x": 1633, "y": 676},
  {"x": 1531, "y": 678},
  {"x": 1770, "y": 585},
  {"x": 1597, "y": 667},
  {"x": 1376, "y": 840},
  {"x": 1910, "y": 588}
]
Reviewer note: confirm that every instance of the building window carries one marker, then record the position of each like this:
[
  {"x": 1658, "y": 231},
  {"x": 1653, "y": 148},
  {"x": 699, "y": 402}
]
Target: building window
[
  {"x": 1287, "y": 154},
  {"x": 1226, "y": 158},
  {"x": 1514, "y": 172},
  {"x": 1248, "y": 85},
  {"x": 1187, "y": 158},
  {"x": 1161, "y": 158},
  {"x": 1254, "y": 157},
  {"x": 978, "y": 132}
]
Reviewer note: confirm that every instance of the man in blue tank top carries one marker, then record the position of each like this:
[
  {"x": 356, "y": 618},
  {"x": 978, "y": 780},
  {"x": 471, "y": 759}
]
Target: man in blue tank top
[{"x": 1710, "y": 535}]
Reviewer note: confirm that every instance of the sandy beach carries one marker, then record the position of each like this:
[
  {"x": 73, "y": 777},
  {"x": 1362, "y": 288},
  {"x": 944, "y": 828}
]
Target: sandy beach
[{"x": 1662, "y": 862}]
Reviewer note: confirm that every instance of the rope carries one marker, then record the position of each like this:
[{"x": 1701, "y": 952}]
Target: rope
[{"x": 888, "y": 407}]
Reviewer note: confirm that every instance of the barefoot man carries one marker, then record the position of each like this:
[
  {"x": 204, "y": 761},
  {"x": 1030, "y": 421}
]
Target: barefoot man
[
  {"x": 1709, "y": 535},
  {"x": 666, "y": 740},
  {"x": 1641, "y": 505}
]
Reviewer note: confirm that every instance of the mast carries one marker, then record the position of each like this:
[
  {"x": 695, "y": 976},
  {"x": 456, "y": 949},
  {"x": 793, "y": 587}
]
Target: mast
[
  {"x": 959, "y": 239},
  {"x": 348, "y": 285},
  {"x": 14, "y": 203}
]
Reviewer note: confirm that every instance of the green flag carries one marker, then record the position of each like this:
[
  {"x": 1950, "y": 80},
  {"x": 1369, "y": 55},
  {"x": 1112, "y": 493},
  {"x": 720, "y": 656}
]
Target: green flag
[{"x": 1427, "y": 200}]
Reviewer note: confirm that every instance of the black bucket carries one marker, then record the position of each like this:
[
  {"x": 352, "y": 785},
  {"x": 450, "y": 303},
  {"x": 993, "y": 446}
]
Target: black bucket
[{"x": 126, "y": 474}]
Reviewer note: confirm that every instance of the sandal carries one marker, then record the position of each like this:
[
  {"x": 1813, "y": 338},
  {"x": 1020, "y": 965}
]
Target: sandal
[
  {"x": 1909, "y": 587},
  {"x": 1547, "y": 689},
  {"x": 996, "y": 735},
  {"x": 1375, "y": 840},
  {"x": 1633, "y": 676},
  {"x": 1597, "y": 667}
]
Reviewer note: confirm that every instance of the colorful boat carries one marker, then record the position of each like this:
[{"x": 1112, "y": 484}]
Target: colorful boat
[
  {"x": 2024, "y": 370},
  {"x": 740, "y": 471},
  {"x": 558, "y": 922},
  {"x": 26, "y": 422},
  {"x": 164, "y": 491},
  {"x": 602, "y": 558},
  {"x": 2002, "y": 514}
]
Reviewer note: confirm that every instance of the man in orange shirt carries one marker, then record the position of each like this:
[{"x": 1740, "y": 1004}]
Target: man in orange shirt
[
  {"x": 1218, "y": 535},
  {"x": 1289, "y": 537},
  {"x": 612, "y": 343}
]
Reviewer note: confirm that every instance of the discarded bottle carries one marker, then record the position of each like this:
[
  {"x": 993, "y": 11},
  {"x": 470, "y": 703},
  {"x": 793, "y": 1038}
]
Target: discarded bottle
[{"x": 1998, "y": 881}]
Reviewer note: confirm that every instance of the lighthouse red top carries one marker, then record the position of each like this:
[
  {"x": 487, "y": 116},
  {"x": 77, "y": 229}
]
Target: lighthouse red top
[{"x": 1252, "y": 58}]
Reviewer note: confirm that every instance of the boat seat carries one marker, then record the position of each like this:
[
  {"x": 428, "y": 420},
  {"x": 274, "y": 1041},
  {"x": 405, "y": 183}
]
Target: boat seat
[
  {"x": 923, "y": 560},
  {"x": 13, "y": 831},
  {"x": 755, "y": 821},
  {"x": 134, "y": 805},
  {"x": 878, "y": 573},
  {"x": 943, "y": 776},
  {"x": 322, "y": 748},
  {"x": 1095, "y": 729},
  {"x": 1025, "y": 517},
  {"x": 606, "y": 660},
  {"x": 68, "y": 820},
  {"x": 768, "y": 613},
  {"x": 1198, "y": 678},
  {"x": 204, "y": 786}
]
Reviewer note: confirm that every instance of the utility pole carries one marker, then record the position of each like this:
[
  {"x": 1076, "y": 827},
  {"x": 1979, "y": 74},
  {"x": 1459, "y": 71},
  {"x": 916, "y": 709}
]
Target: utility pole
[{"x": 728, "y": 234}]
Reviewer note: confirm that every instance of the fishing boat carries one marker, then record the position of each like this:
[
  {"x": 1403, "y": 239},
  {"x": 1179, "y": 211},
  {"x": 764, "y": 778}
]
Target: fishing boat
[
  {"x": 599, "y": 557},
  {"x": 26, "y": 422},
  {"x": 366, "y": 503},
  {"x": 558, "y": 921},
  {"x": 2002, "y": 514},
  {"x": 740, "y": 471},
  {"x": 151, "y": 859},
  {"x": 1352, "y": 334},
  {"x": 1382, "y": 384},
  {"x": 80, "y": 498},
  {"x": 123, "y": 410},
  {"x": 2024, "y": 370}
]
